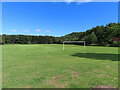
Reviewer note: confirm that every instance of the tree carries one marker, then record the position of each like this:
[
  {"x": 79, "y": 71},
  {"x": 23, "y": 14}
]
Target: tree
[
  {"x": 1, "y": 41},
  {"x": 87, "y": 39},
  {"x": 93, "y": 38}
]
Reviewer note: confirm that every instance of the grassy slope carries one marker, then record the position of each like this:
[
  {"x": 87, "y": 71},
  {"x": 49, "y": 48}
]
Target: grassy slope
[{"x": 47, "y": 66}]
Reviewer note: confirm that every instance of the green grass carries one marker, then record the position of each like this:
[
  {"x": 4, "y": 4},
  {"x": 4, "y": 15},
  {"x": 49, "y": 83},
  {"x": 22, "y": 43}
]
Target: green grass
[{"x": 48, "y": 66}]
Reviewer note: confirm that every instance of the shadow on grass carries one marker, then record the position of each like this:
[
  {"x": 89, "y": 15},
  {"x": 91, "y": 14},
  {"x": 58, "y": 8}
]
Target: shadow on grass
[{"x": 98, "y": 56}]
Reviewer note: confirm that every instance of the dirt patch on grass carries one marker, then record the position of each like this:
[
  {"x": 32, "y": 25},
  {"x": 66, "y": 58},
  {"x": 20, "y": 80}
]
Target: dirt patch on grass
[
  {"x": 54, "y": 82},
  {"x": 104, "y": 87},
  {"x": 61, "y": 85},
  {"x": 56, "y": 77},
  {"x": 101, "y": 75},
  {"x": 74, "y": 74},
  {"x": 27, "y": 87}
]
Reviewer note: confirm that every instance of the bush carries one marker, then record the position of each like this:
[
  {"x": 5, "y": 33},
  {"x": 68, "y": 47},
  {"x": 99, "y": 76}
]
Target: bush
[
  {"x": 107, "y": 45},
  {"x": 116, "y": 44}
]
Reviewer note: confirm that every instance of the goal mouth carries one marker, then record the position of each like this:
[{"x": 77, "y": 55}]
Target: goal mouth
[{"x": 73, "y": 43}]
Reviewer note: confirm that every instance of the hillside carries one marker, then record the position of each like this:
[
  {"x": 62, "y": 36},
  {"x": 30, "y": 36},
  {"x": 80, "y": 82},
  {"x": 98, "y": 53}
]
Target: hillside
[{"x": 102, "y": 35}]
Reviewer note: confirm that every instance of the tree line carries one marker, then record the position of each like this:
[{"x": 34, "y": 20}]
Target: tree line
[{"x": 100, "y": 35}]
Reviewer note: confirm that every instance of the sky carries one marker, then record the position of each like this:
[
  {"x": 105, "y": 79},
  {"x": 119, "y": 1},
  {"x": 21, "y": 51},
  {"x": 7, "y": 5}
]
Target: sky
[
  {"x": 60, "y": 0},
  {"x": 55, "y": 18}
]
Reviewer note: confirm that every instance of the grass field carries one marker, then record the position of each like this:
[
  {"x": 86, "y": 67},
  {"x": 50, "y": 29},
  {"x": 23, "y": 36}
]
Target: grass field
[{"x": 48, "y": 66}]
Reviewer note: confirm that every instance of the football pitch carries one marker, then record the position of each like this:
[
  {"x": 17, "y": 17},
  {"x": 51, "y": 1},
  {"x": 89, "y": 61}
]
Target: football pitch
[{"x": 48, "y": 66}]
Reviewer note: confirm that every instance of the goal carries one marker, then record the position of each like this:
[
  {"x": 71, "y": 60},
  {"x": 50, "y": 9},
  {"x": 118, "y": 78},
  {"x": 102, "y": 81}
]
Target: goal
[{"x": 73, "y": 42}]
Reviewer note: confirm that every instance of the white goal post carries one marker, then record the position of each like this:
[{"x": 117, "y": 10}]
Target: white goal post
[{"x": 73, "y": 42}]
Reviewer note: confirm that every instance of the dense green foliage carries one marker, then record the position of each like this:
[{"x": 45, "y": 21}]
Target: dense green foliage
[
  {"x": 99, "y": 35},
  {"x": 48, "y": 66}
]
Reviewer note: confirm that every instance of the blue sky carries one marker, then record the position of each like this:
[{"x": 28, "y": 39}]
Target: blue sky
[{"x": 55, "y": 18}]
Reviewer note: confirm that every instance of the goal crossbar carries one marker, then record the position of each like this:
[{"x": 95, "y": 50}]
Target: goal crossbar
[{"x": 73, "y": 42}]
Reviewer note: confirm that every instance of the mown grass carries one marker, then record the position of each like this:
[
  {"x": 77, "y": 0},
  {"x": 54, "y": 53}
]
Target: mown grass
[{"x": 48, "y": 66}]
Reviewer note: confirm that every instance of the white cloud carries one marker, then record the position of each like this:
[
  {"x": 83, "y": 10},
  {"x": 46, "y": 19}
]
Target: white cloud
[
  {"x": 84, "y": 1},
  {"x": 26, "y": 30},
  {"x": 34, "y": 34},
  {"x": 69, "y": 1},
  {"x": 78, "y": 1},
  {"x": 47, "y": 31},
  {"x": 13, "y": 30},
  {"x": 38, "y": 30}
]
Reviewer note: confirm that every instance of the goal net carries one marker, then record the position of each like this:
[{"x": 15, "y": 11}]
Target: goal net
[{"x": 73, "y": 42}]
